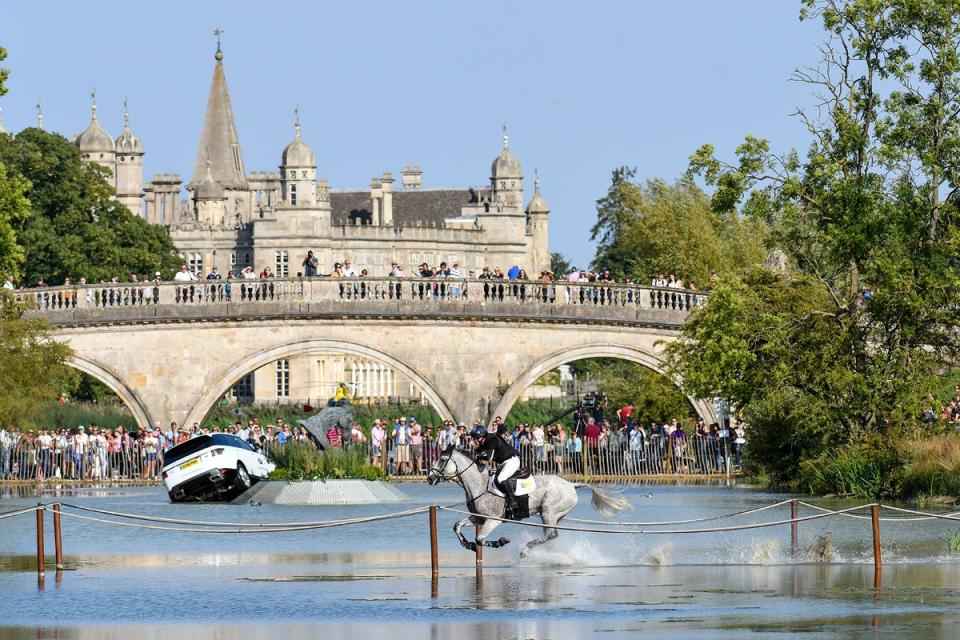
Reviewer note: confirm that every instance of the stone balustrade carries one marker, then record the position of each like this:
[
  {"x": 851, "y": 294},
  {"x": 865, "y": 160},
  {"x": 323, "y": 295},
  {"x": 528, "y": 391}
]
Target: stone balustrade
[{"x": 359, "y": 297}]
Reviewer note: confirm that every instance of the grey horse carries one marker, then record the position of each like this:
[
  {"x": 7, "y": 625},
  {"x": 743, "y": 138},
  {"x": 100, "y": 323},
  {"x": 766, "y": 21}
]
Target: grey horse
[{"x": 552, "y": 499}]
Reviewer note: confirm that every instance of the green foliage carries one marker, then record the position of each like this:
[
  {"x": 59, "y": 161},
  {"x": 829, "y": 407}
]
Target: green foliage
[
  {"x": 809, "y": 363},
  {"x": 363, "y": 414},
  {"x": 877, "y": 467},
  {"x": 32, "y": 368},
  {"x": 953, "y": 541},
  {"x": 537, "y": 411},
  {"x": 4, "y": 73},
  {"x": 14, "y": 209},
  {"x": 303, "y": 461},
  {"x": 655, "y": 228},
  {"x": 74, "y": 228},
  {"x": 559, "y": 264},
  {"x": 653, "y": 396},
  {"x": 53, "y": 415}
]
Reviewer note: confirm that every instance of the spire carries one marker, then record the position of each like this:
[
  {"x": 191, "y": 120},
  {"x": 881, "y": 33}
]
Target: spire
[
  {"x": 93, "y": 104},
  {"x": 296, "y": 125},
  {"x": 506, "y": 138},
  {"x": 218, "y": 138},
  {"x": 2, "y": 130},
  {"x": 537, "y": 203},
  {"x": 128, "y": 143},
  {"x": 39, "y": 115}
]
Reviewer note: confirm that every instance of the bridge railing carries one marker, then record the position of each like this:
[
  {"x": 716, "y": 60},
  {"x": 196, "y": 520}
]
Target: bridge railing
[{"x": 360, "y": 291}]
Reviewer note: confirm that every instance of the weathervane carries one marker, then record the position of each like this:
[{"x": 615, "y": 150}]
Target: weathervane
[
  {"x": 506, "y": 138},
  {"x": 296, "y": 125},
  {"x": 218, "y": 32},
  {"x": 39, "y": 115}
]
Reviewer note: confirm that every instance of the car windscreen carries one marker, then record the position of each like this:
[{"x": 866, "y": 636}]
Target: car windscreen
[
  {"x": 185, "y": 449},
  {"x": 230, "y": 440}
]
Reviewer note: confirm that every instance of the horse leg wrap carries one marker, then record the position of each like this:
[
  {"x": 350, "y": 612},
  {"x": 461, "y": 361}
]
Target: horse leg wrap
[{"x": 472, "y": 546}]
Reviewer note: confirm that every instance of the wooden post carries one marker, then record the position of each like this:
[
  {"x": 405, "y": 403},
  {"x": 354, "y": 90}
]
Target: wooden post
[
  {"x": 875, "y": 516},
  {"x": 41, "y": 569},
  {"x": 669, "y": 465},
  {"x": 794, "y": 513},
  {"x": 479, "y": 557},
  {"x": 585, "y": 450},
  {"x": 434, "y": 556},
  {"x": 57, "y": 538}
]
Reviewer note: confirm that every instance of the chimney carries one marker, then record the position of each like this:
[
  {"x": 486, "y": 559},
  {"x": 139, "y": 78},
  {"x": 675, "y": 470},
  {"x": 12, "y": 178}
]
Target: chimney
[
  {"x": 376, "y": 196},
  {"x": 411, "y": 177},
  {"x": 386, "y": 185}
]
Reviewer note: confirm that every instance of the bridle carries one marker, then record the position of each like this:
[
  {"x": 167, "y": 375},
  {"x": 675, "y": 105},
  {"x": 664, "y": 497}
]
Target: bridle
[{"x": 456, "y": 477}]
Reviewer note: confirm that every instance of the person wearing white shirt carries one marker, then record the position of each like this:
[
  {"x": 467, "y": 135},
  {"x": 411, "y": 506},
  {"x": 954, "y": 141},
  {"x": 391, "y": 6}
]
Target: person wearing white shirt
[
  {"x": 184, "y": 275},
  {"x": 8, "y": 283},
  {"x": 348, "y": 270}
]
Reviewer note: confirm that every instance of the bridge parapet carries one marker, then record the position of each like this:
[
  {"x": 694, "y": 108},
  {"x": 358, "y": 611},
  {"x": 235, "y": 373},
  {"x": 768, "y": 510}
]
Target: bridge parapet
[{"x": 400, "y": 298}]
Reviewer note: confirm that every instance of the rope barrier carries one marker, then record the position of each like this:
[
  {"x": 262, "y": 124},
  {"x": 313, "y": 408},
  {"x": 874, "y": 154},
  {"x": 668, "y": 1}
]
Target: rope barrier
[
  {"x": 673, "y": 522},
  {"x": 882, "y": 506},
  {"x": 955, "y": 516},
  {"x": 261, "y": 529},
  {"x": 248, "y": 525},
  {"x": 741, "y": 527},
  {"x": 18, "y": 512}
]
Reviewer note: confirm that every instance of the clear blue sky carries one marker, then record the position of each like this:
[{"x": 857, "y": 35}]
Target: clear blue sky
[{"x": 583, "y": 87}]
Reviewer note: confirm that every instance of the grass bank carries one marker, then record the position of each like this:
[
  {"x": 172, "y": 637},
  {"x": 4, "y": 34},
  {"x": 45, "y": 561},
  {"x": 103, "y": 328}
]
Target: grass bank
[
  {"x": 904, "y": 468},
  {"x": 303, "y": 461},
  {"x": 53, "y": 415}
]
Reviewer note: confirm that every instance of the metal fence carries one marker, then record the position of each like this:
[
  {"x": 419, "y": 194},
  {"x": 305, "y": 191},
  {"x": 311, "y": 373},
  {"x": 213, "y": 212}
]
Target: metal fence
[
  {"x": 693, "y": 455},
  {"x": 25, "y": 461}
]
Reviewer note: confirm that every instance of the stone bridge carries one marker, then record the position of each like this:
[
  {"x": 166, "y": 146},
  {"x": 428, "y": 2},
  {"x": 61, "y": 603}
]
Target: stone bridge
[{"x": 172, "y": 350}]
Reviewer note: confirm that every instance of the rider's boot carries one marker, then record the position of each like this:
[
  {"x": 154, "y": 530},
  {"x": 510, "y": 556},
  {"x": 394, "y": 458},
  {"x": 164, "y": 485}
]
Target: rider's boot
[{"x": 510, "y": 508}]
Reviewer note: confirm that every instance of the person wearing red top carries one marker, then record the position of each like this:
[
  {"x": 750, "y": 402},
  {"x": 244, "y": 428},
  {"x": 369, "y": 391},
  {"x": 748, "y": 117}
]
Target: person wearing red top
[
  {"x": 591, "y": 436},
  {"x": 624, "y": 414}
]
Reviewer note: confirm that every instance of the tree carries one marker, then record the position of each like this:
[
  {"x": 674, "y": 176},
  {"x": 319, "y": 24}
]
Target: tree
[
  {"x": 654, "y": 396},
  {"x": 4, "y": 73},
  {"x": 869, "y": 219},
  {"x": 559, "y": 264},
  {"x": 657, "y": 228},
  {"x": 14, "y": 209},
  {"x": 74, "y": 227},
  {"x": 32, "y": 366}
]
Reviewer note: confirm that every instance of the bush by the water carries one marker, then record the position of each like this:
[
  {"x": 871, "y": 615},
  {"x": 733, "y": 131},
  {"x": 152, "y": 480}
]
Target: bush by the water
[
  {"x": 303, "y": 461},
  {"x": 888, "y": 468},
  {"x": 53, "y": 415},
  {"x": 363, "y": 414}
]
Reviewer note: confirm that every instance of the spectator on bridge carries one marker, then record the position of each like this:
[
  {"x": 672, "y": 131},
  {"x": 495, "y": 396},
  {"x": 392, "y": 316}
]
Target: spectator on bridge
[
  {"x": 184, "y": 275},
  {"x": 513, "y": 273},
  {"x": 214, "y": 274},
  {"x": 401, "y": 441},
  {"x": 310, "y": 264},
  {"x": 8, "y": 284},
  {"x": 348, "y": 270}
]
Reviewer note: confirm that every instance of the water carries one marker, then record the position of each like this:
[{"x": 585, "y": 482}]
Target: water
[{"x": 373, "y": 580}]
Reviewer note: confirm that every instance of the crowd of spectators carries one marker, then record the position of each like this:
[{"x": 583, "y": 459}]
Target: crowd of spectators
[{"x": 401, "y": 446}]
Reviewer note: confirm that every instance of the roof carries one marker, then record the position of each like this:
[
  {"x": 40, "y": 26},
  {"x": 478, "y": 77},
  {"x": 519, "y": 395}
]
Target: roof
[
  {"x": 94, "y": 139},
  {"x": 429, "y": 206},
  {"x": 219, "y": 142}
]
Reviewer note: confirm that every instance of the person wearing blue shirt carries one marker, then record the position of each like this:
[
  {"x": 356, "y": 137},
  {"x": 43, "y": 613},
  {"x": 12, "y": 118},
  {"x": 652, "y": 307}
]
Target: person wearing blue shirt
[{"x": 514, "y": 273}]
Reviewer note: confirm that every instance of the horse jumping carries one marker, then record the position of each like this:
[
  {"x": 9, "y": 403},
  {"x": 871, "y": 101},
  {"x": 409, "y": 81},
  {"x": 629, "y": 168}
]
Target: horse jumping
[{"x": 552, "y": 499}]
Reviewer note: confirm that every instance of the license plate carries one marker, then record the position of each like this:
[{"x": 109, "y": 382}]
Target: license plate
[{"x": 189, "y": 463}]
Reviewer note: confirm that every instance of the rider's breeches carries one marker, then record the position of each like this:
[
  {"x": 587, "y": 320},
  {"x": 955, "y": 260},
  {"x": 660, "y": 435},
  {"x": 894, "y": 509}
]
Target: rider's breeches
[{"x": 508, "y": 468}]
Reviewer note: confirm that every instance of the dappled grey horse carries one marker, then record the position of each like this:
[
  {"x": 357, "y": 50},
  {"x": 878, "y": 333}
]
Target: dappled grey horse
[{"x": 552, "y": 499}]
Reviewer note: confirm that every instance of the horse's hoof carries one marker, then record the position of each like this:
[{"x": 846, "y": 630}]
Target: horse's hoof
[
  {"x": 471, "y": 546},
  {"x": 523, "y": 553},
  {"x": 503, "y": 542}
]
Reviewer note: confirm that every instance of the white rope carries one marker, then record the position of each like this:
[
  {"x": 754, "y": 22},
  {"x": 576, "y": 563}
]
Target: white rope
[
  {"x": 204, "y": 523},
  {"x": 265, "y": 529},
  {"x": 955, "y": 516},
  {"x": 900, "y": 519},
  {"x": 656, "y": 523},
  {"x": 19, "y": 512},
  {"x": 741, "y": 527}
]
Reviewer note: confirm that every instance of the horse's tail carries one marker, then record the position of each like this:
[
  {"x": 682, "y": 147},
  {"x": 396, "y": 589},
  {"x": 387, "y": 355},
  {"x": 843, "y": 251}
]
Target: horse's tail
[{"x": 606, "y": 503}]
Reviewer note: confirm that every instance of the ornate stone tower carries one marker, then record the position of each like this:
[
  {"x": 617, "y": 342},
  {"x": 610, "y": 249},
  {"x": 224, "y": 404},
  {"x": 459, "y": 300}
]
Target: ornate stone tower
[
  {"x": 506, "y": 178},
  {"x": 298, "y": 172},
  {"x": 537, "y": 211},
  {"x": 209, "y": 201},
  {"x": 96, "y": 145},
  {"x": 129, "y": 167}
]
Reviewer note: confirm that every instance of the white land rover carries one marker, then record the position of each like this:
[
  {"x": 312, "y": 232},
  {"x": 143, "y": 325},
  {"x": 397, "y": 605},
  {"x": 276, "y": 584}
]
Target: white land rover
[{"x": 212, "y": 467}]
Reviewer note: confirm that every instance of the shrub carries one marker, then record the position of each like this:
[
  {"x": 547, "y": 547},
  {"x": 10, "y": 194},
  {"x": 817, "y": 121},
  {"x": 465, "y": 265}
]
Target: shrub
[{"x": 303, "y": 461}]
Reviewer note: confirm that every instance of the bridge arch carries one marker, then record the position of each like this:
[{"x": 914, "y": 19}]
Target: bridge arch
[
  {"x": 554, "y": 360},
  {"x": 125, "y": 393},
  {"x": 253, "y": 362}
]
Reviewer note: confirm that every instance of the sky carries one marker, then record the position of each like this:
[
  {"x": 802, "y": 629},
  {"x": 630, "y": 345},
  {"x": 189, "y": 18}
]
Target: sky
[{"x": 582, "y": 87}]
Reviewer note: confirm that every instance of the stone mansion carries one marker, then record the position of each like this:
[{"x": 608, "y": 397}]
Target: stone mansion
[{"x": 234, "y": 218}]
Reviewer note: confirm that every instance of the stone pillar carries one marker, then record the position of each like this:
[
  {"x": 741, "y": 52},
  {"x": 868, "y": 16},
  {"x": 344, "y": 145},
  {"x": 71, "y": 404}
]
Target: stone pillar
[
  {"x": 376, "y": 194},
  {"x": 387, "y": 188}
]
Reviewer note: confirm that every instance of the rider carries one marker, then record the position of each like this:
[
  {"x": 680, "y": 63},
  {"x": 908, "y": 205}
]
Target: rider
[{"x": 490, "y": 445}]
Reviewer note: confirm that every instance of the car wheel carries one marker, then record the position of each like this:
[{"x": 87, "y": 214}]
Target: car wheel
[{"x": 243, "y": 478}]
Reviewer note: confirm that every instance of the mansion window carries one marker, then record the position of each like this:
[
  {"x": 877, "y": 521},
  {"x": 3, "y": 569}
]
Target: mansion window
[
  {"x": 282, "y": 262},
  {"x": 195, "y": 262},
  {"x": 293, "y": 194},
  {"x": 283, "y": 378},
  {"x": 243, "y": 390}
]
